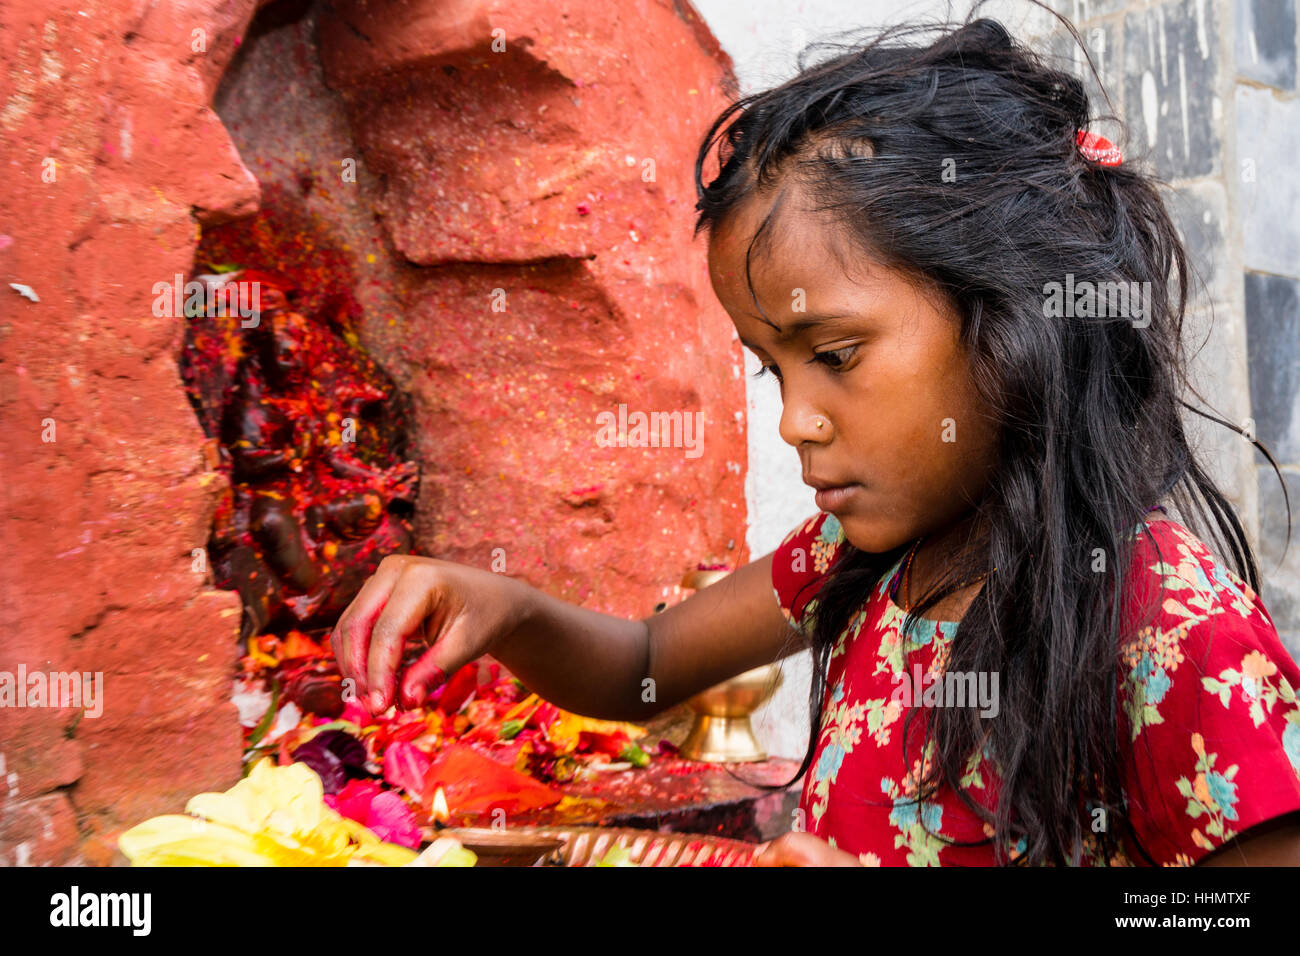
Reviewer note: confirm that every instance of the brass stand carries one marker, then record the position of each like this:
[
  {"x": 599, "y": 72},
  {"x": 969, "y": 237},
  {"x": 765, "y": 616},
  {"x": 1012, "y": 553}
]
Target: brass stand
[{"x": 722, "y": 732}]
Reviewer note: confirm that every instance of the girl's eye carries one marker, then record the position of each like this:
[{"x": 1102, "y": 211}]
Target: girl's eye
[
  {"x": 766, "y": 370},
  {"x": 836, "y": 358}
]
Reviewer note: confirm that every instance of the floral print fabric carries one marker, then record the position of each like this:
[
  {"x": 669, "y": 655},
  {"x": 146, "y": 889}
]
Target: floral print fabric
[{"x": 1207, "y": 701}]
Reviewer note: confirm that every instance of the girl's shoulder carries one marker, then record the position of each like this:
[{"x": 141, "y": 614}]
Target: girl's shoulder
[
  {"x": 801, "y": 559},
  {"x": 1173, "y": 572},
  {"x": 1174, "y": 577},
  {"x": 1207, "y": 701}
]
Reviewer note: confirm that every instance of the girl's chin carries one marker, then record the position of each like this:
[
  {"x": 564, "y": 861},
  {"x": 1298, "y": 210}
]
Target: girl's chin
[{"x": 874, "y": 537}]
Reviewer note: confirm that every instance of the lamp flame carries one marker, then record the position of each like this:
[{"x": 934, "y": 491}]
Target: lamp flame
[{"x": 438, "y": 809}]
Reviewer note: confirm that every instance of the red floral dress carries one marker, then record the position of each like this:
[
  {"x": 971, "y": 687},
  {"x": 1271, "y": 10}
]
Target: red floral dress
[{"x": 1208, "y": 700}]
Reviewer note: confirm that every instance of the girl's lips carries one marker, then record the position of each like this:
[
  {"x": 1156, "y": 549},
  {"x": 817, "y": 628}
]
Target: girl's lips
[{"x": 833, "y": 499}]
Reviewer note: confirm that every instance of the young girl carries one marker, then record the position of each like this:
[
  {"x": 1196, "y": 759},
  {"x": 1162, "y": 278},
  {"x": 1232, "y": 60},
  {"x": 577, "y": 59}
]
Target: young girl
[{"x": 1019, "y": 656}]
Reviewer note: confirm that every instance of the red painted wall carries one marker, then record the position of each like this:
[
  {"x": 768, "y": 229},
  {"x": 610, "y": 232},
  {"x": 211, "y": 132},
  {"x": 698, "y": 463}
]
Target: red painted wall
[{"x": 512, "y": 177}]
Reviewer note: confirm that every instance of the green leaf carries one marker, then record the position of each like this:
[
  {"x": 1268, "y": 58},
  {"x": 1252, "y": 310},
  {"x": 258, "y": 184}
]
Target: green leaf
[
  {"x": 1285, "y": 690},
  {"x": 268, "y": 718},
  {"x": 634, "y": 755},
  {"x": 1256, "y": 712}
]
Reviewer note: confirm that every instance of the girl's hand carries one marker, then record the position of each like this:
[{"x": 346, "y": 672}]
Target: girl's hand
[
  {"x": 460, "y": 611},
  {"x": 802, "y": 849}
]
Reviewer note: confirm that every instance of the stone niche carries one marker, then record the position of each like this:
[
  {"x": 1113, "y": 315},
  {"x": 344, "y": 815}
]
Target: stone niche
[{"x": 503, "y": 194}]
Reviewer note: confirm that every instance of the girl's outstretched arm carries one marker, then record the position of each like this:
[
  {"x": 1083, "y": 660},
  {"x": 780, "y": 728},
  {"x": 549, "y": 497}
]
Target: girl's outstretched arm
[{"x": 585, "y": 661}]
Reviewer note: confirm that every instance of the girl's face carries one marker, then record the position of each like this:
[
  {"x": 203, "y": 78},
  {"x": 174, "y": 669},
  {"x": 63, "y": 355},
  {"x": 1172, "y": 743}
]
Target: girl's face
[{"x": 904, "y": 448}]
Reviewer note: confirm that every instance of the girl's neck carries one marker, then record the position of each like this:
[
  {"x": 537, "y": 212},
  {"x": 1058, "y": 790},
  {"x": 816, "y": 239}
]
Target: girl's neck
[{"x": 930, "y": 563}]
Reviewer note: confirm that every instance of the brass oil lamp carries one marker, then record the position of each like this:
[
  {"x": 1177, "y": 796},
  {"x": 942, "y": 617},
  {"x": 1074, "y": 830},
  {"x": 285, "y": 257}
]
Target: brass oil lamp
[{"x": 722, "y": 732}]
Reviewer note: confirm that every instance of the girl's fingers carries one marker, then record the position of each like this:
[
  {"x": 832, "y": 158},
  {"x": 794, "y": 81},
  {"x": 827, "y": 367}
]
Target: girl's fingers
[
  {"x": 351, "y": 635},
  {"x": 422, "y": 678},
  {"x": 802, "y": 849},
  {"x": 450, "y": 652},
  {"x": 402, "y": 614},
  {"x": 778, "y": 852}
]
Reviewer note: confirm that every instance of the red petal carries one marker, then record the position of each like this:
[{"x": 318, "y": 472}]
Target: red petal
[{"x": 474, "y": 784}]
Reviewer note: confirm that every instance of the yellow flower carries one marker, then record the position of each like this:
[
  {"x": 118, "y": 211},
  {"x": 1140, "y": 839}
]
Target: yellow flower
[
  {"x": 1198, "y": 744},
  {"x": 565, "y": 730},
  {"x": 276, "y": 816}
]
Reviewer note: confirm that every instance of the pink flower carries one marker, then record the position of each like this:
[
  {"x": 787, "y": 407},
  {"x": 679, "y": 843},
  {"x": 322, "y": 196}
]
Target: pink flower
[
  {"x": 353, "y": 801},
  {"x": 393, "y": 821},
  {"x": 354, "y": 713},
  {"x": 405, "y": 766},
  {"x": 382, "y": 812}
]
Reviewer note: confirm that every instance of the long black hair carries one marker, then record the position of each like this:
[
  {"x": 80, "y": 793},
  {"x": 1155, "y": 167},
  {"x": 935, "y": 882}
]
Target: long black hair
[{"x": 954, "y": 160}]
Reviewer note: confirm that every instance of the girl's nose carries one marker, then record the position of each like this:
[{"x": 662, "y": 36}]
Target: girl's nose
[{"x": 801, "y": 422}]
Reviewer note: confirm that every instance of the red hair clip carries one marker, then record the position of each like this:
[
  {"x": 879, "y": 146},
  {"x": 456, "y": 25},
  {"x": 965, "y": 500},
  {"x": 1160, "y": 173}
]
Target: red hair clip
[{"x": 1098, "y": 148}]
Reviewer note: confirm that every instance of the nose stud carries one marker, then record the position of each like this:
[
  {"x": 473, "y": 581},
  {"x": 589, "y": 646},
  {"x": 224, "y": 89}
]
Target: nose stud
[{"x": 820, "y": 424}]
